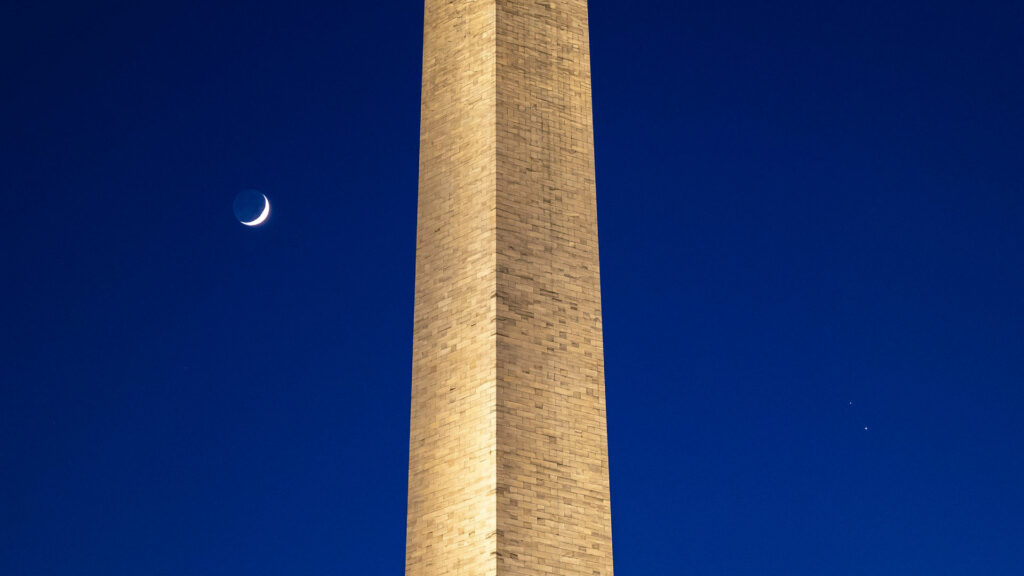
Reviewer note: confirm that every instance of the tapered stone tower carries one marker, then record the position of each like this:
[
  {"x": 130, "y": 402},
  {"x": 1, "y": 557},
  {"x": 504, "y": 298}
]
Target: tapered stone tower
[{"x": 508, "y": 465}]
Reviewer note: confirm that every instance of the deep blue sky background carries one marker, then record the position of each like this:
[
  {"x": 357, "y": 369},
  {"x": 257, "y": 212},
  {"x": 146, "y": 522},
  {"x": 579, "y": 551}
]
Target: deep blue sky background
[{"x": 802, "y": 205}]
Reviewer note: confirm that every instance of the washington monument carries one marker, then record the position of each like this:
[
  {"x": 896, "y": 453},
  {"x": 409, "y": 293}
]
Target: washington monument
[{"x": 508, "y": 463}]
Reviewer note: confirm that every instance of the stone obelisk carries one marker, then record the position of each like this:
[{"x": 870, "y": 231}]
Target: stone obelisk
[{"x": 508, "y": 464}]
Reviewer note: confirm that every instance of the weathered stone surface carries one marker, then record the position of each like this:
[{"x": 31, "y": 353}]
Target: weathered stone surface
[{"x": 508, "y": 467}]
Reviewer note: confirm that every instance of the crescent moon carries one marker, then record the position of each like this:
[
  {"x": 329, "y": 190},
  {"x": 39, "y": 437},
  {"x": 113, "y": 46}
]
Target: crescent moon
[{"x": 263, "y": 216}]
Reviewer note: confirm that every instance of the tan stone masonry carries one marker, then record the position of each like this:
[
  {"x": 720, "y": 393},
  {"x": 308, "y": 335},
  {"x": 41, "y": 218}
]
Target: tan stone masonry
[{"x": 508, "y": 465}]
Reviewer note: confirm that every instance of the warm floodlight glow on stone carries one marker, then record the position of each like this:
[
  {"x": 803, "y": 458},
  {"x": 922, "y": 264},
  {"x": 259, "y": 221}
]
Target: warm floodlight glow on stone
[{"x": 508, "y": 458}]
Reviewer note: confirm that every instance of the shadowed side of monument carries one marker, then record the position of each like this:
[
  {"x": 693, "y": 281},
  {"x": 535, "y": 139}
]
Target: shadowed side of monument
[
  {"x": 554, "y": 513},
  {"x": 508, "y": 448}
]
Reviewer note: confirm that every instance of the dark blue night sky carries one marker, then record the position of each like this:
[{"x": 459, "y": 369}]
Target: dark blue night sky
[{"x": 803, "y": 205}]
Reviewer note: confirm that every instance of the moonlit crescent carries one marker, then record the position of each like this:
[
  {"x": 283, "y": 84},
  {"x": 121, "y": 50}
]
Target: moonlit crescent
[{"x": 263, "y": 215}]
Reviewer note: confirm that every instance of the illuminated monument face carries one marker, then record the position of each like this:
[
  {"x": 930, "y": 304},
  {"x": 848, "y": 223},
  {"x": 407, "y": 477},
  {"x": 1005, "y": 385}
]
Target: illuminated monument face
[{"x": 508, "y": 465}]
